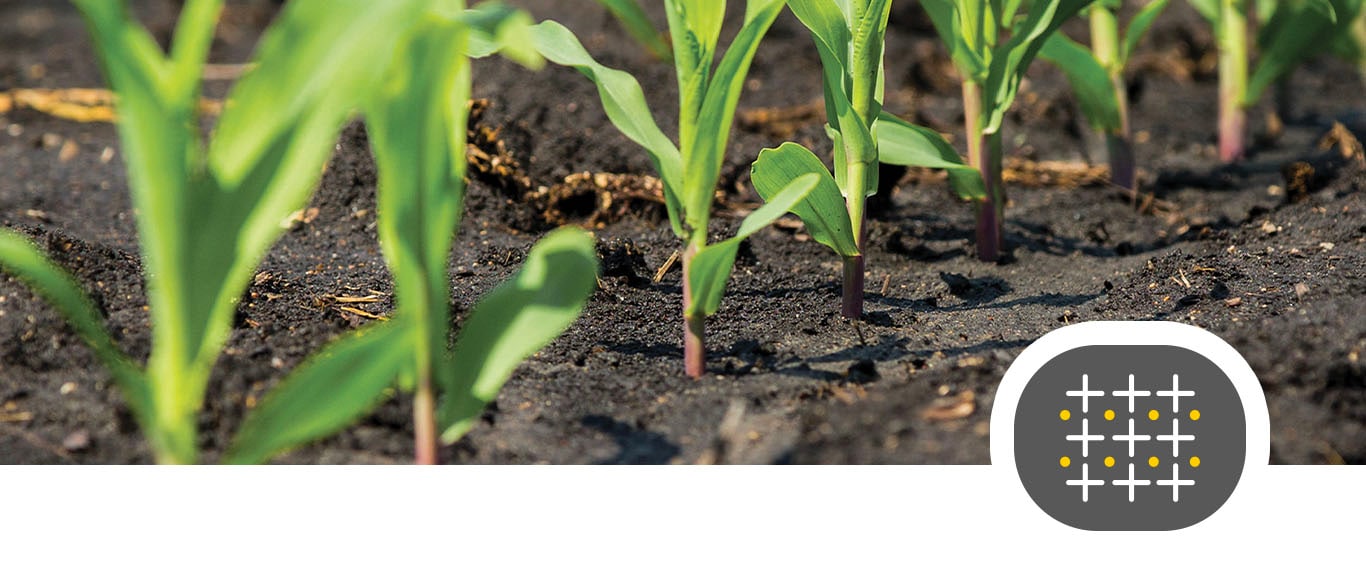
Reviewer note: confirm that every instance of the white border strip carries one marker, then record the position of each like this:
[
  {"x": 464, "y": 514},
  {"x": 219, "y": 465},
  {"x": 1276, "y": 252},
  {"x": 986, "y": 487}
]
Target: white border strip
[{"x": 633, "y": 518}]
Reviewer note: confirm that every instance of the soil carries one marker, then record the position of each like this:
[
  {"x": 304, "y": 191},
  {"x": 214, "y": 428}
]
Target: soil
[{"x": 1269, "y": 258}]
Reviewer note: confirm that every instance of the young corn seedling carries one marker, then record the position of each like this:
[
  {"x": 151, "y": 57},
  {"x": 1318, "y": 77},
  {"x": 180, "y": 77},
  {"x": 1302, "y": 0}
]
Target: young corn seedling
[
  {"x": 1097, "y": 78},
  {"x": 707, "y": 100},
  {"x": 849, "y": 37},
  {"x": 417, "y": 126},
  {"x": 638, "y": 25},
  {"x": 208, "y": 213},
  {"x": 1291, "y": 32},
  {"x": 992, "y": 44}
]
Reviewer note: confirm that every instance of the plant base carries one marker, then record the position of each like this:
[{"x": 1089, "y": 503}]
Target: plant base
[
  {"x": 989, "y": 232},
  {"x": 853, "y": 288}
]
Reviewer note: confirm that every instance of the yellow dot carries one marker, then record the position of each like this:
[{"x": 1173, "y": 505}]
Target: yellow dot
[
  {"x": 1153, "y": 414},
  {"x": 1065, "y": 415},
  {"x": 1152, "y": 461},
  {"x": 1109, "y": 414},
  {"x": 1195, "y": 461},
  {"x": 1195, "y": 415},
  {"x": 1109, "y": 461},
  {"x": 1065, "y": 462}
]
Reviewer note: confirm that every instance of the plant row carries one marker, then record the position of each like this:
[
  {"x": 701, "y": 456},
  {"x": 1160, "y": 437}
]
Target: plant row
[{"x": 209, "y": 210}]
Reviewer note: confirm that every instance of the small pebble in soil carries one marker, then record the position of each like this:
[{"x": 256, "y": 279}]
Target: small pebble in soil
[
  {"x": 78, "y": 441},
  {"x": 67, "y": 388}
]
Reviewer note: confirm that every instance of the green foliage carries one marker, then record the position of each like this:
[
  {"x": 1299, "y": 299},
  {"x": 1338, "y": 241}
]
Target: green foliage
[
  {"x": 638, "y": 24},
  {"x": 208, "y": 213},
  {"x": 712, "y": 266},
  {"x": 1291, "y": 32},
  {"x": 823, "y": 210},
  {"x": 708, "y": 94},
  {"x": 418, "y": 124},
  {"x": 993, "y": 43},
  {"x": 849, "y": 38},
  {"x": 1089, "y": 79},
  {"x": 515, "y": 321},
  {"x": 1139, "y": 26},
  {"x": 324, "y": 395}
]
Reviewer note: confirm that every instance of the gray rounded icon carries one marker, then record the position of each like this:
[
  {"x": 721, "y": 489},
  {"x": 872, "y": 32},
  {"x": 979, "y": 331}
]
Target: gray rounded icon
[{"x": 1135, "y": 426}]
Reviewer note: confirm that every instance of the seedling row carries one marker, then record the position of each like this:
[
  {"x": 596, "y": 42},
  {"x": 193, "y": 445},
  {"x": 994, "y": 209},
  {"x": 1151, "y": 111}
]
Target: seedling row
[{"x": 210, "y": 208}]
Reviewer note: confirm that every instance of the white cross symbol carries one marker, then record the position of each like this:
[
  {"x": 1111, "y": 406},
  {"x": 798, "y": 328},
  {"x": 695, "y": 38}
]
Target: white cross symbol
[
  {"x": 1085, "y": 482},
  {"x": 1131, "y": 394},
  {"x": 1176, "y": 393},
  {"x": 1131, "y": 437},
  {"x": 1131, "y": 483},
  {"x": 1086, "y": 437},
  {"x": 1176, "y": 438},
  {"x": 1086, "y": 393},
  {"x": 1175, "y": 483}
]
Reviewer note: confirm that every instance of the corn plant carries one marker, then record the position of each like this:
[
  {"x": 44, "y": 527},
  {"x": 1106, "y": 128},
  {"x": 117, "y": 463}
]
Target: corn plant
[
  {"x": 1097, "y": 78},
  {"x": 849, "y": 36},
  {"x": 690, "y": 169},
  {"x": 638, "y": 25},
  {"x": 1291, "y": 32},
  {"x": 208, "y": 213},
  {"x": 992, "y": 44},
  {"x": 417, "y": 126}
]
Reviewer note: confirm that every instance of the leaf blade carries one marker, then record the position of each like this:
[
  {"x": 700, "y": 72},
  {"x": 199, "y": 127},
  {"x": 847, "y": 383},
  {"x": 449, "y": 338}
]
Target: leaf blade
[
  {"x": 712, "y": 265},
  {"x": 823, "y": 210},
  {"x": 334, "y": 387},
  {"x": 515, "y": 321},
  {"x": 1089, "y": 79},
  {"x": 21, "y": 258},
  {"x": 624, "y": 102}
]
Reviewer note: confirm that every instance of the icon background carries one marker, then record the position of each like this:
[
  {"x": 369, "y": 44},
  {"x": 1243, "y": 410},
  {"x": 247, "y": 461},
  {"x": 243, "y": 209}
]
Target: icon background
[
  {"x": 1041, "y": 438},
  {"x": 1257, "y": 445}
]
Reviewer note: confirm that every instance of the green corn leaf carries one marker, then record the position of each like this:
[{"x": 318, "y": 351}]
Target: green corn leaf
[
  {"x": 828, "y": 25},
  {"x": 1296, "y": 31},
  {"x": 515, "y": 321},
  {"x": 869, "y": 34},
  {"x": 703, "y": 18},
  {"x": 638, "y": 24},
  {"x": 1350, "y": 44},
  {"x": 834, "y": 42},
  {"x": 24, "y": 260},
  {"x": 718, "y": 111},
  {"x": 824, "y": 210},
  {"x": 494, "y": 27},
  {"x": 343, "y": 381},
  {"x": 903, "y": 143},
  {"x": 624, "y": 102},
  {"x": 1139, "y": 26},
  {"x": 948, "y": 23},
  {"x": 711, "y": 267},
  {"x": 160, "y": 150},
  {"x": 1090, "y": 82},
  {"x": 1012, "y": 60},
  {"x": 831, "y": 32},
  {"x": 272, "y": 142},
  {"x": 417, "y": 129}
]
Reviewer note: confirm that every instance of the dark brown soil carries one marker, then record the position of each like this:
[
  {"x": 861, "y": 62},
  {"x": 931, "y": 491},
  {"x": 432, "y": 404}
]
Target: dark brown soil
[{"x": 1224, "y": 248}]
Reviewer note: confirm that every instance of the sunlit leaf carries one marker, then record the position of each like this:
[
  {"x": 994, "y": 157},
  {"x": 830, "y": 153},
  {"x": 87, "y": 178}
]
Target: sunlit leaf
[
  {"x": 340, "y": 383},
  {"x": 823, "y": 210},
  {"x": 712, "y": 265},
  {"x": 515, "y": 321}
]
